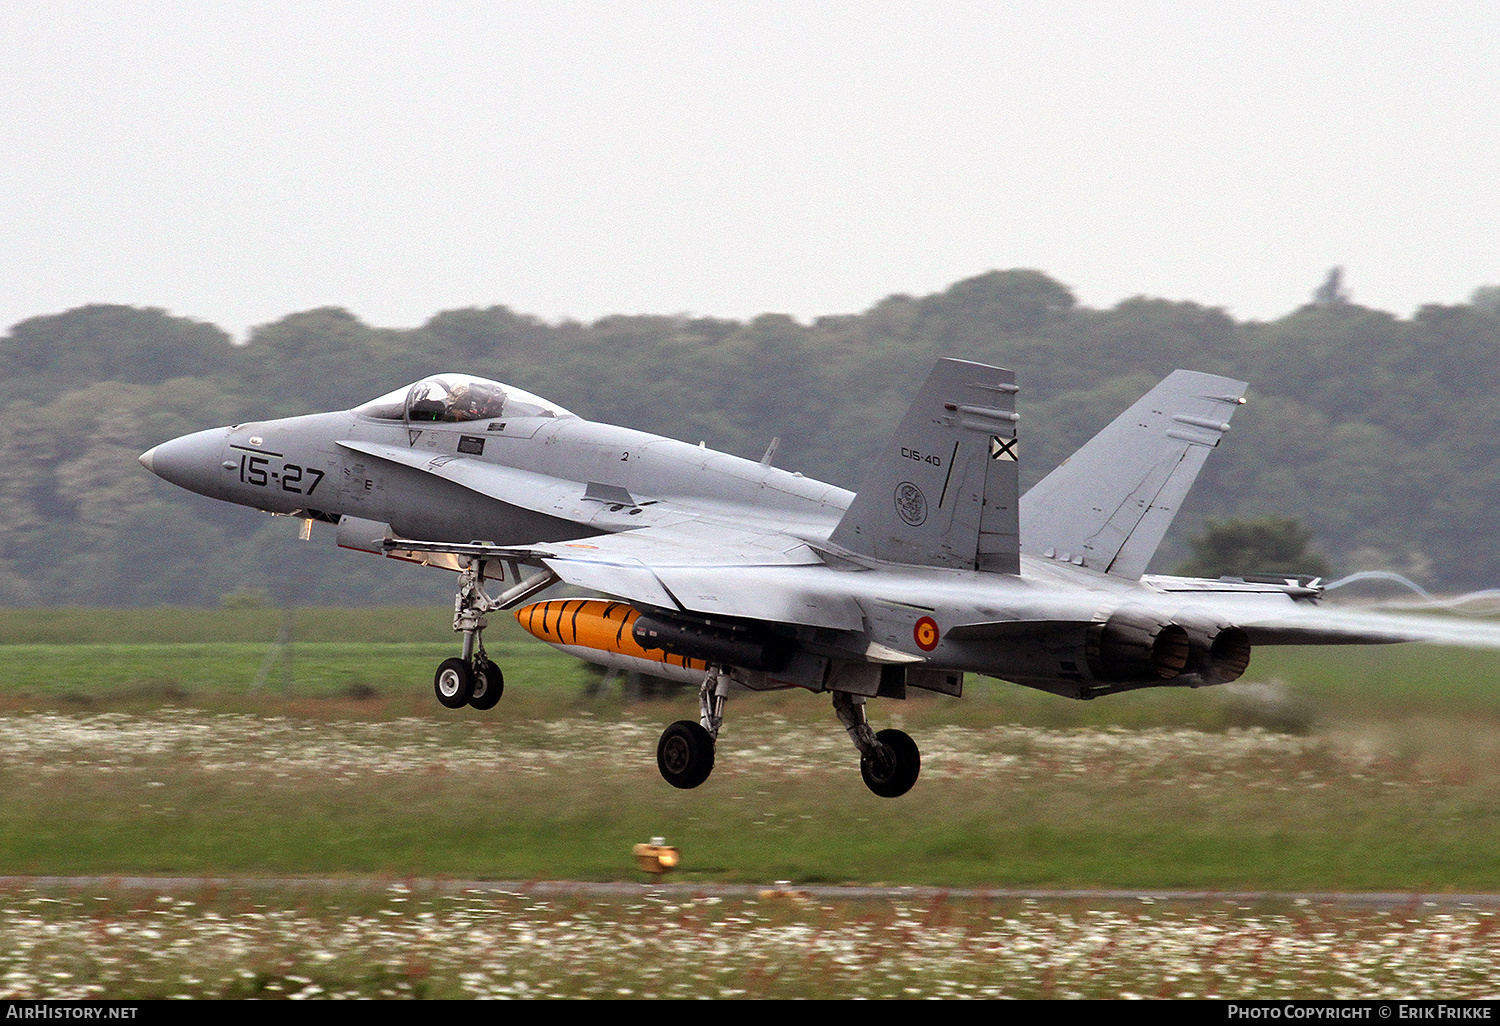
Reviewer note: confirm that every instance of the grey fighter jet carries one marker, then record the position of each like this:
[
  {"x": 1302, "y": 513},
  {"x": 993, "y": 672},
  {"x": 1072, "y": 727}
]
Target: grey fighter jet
[{"x": 738, "y": 575}]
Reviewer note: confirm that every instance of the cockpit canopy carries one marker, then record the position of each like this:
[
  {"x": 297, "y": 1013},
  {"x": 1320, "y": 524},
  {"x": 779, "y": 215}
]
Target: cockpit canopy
[{"x": 450, "y": 398}]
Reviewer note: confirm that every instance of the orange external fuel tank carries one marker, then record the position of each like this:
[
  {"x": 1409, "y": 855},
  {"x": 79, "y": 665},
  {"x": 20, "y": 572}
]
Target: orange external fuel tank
[{"x": 600, "y": 631}]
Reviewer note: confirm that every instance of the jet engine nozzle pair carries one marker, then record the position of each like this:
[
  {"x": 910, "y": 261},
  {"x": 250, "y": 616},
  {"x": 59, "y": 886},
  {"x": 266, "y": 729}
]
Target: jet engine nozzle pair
[{"x": 1136, "y": 646}]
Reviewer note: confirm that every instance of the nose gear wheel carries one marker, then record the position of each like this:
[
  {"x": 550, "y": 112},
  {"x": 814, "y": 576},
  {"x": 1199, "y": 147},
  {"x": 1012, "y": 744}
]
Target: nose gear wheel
[
  {"x": 489, "y": 685},
  {"x": 454, "y": 683}
]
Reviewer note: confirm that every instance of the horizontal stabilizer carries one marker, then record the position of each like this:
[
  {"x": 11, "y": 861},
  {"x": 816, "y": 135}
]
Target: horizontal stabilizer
[{"x": 1298, "y": 635}]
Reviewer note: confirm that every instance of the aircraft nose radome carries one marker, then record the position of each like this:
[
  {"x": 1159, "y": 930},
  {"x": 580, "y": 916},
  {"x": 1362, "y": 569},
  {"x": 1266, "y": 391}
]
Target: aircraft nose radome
[{"x": 190, "y": 462}]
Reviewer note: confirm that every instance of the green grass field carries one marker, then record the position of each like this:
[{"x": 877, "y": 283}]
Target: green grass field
[{"x": 137, "y": 741}]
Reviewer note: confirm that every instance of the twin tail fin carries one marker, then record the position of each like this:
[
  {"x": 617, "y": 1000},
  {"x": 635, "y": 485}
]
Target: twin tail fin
[{"x": 943, "y": 492}]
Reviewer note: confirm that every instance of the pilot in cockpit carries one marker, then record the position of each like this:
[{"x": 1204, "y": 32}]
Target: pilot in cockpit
[{"x": 475, "y": 400}]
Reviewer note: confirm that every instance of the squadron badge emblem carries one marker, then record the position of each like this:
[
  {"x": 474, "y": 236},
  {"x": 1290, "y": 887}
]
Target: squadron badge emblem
[{"x": 911, "y": 504}]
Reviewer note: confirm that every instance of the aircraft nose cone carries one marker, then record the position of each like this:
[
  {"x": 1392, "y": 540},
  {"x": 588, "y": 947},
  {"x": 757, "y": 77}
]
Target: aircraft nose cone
[{"x": 191, "y": 462}]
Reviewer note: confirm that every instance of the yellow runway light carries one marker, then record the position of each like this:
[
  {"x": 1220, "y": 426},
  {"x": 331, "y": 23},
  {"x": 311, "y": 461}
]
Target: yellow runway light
[{"x": 656, "y": 858}]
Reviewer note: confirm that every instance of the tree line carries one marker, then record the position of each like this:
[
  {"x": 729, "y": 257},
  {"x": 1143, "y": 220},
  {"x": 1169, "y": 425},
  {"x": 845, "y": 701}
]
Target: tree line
[{"x": 1377, "y": 434}]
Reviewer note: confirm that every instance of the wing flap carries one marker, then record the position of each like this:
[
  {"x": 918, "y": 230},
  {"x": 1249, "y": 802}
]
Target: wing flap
[{"x": 692, "y": 543}]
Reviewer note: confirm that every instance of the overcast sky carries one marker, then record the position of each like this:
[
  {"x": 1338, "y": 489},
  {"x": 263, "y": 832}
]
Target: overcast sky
[{"x": 236, "y": 162}]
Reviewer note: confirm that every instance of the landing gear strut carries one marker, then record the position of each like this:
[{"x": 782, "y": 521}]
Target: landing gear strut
[
  {"x": 890, "y": 760},
  {"x": 473, "y": 679},
  {"x": 685, "y": 753}
]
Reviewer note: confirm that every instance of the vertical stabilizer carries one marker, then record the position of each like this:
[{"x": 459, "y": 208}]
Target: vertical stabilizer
[
  {"x": 1110, "y": 504},
  {"x": 943, "y": 492}
]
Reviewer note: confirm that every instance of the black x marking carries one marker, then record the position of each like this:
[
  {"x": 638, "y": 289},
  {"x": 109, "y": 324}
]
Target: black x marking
[{"x": 1001, "y": 449}]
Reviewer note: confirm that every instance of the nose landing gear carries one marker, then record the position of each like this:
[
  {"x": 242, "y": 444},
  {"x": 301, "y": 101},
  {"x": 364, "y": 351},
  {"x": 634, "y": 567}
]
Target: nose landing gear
[
  {"x": 478, "y": 684},
  {"x": 473, "y": 679}
]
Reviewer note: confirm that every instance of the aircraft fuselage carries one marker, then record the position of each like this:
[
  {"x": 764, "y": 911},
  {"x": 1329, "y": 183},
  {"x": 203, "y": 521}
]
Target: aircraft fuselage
[
  {"x": 297, "y": 466},
  {"x": 304, "y": 466}
]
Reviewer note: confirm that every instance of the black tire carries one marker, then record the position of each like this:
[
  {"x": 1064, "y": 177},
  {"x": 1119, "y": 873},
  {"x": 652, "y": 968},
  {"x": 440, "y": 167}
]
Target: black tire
[
  {"x": 905, "y": 763},
  {"x": 685, "y": 754},
  {"x": 489, "y": 685},
  {"x": 453, "y": 683}
]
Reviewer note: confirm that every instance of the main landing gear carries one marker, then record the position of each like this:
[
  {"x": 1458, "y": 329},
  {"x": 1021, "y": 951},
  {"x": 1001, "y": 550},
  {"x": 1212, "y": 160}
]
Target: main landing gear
[
  {"x": 889, "y": 761},
  {"x": 473, "y": 679},
  {"x": 685, "y": 753}
]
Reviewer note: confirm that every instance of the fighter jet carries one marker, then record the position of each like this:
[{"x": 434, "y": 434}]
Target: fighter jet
[{"x": 736, "y": 575}]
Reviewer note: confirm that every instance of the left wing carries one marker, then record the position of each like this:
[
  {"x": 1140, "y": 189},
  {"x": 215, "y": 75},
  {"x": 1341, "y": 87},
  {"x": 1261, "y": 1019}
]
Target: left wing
[
  {"x": 667, "y": 554},
  {"x": 708, "y": 567}
]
